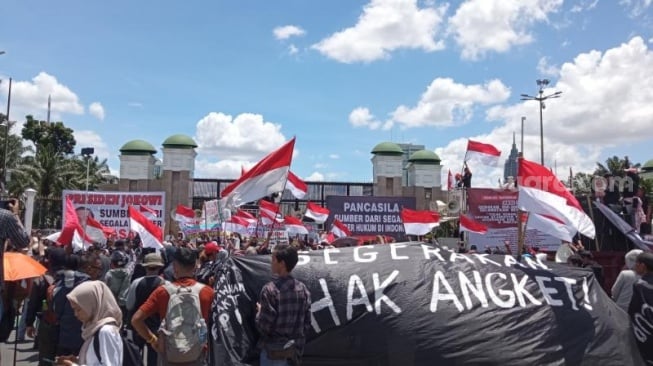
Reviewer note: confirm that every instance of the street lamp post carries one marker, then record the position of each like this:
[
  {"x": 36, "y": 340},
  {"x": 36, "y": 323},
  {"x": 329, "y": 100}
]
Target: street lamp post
[
  {"x": 541, "y": 98},
  {"x": 6, "y": 147}
]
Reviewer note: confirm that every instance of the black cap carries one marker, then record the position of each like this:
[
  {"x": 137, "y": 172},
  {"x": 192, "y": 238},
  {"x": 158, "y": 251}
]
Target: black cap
[
  {"x": 647, "y": 259},
  {"x": 185, "y": 256}
]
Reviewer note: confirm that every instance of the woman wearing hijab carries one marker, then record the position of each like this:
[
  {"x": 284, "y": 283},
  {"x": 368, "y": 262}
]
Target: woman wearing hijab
[{"x": 101, "y": 317}]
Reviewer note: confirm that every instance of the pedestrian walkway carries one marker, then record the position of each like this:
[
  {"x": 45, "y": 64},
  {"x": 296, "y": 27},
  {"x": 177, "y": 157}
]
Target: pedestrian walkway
[{"x": 25, "y": 354}]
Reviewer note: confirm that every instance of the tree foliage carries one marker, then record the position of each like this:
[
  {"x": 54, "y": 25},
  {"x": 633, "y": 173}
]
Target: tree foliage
[
  {"x": 613, "y": 165},
  {"x": 56, "y": 137}
]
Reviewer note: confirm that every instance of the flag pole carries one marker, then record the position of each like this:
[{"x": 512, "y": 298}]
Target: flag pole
[{"x": 596, "y": 237}]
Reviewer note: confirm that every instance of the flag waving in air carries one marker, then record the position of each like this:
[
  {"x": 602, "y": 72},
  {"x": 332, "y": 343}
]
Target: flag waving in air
[
  {"x": 419, "y": 222},
  {"x": 317, "y": 213},
  {"x": 470, "y": 225},
  {"x": 296, "y": 186},
  {"x": 151, "y": 235},
  {"x": 485, "y": 153},
  {"x": 339, "y": 229},
  {"x": 268, "y": 176},
  {"x": 541, "y": 192}
]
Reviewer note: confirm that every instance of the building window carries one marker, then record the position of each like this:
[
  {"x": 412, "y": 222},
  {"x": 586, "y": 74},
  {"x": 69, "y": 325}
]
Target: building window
[{"x": 388, "y": 184}]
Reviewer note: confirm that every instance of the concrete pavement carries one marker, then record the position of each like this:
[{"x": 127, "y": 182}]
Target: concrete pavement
[{"x": 25, "y": 355}]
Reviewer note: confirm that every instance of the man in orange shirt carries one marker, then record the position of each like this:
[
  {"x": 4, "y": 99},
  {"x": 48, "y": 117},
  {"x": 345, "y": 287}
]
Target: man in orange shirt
[{"x": 184, "y": 264}]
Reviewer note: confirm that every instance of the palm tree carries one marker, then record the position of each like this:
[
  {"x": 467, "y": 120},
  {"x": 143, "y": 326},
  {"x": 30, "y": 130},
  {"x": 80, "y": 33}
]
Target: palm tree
[{"x": 97, "y": 171}]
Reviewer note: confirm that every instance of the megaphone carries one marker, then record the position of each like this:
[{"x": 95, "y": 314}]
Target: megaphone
[{"x": 453, "y": 207}]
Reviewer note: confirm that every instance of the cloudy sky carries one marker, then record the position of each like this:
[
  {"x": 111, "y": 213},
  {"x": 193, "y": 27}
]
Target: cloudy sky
[{"x": 244, "y": 76}]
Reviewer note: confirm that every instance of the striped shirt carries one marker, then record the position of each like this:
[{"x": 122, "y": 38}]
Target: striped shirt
[
  {"x": 12, "y": 229},
  {"x": 285, "y": 312}
]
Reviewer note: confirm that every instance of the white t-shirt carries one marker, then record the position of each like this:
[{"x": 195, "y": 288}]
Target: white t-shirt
[{"x": 110, "y": 348}]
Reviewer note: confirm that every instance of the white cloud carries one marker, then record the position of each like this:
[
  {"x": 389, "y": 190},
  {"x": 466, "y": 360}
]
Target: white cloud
[
  {"x": 584, "y": 5},
  {"x": 292, "y": 49},
  {"x": 315, "y": 177},
  {"x": 386, "y": 26},
  {"x": 135, "y": 104},
  {"x": 288, "y": 31},
  {"x": 447, "y": 103},
  {"x": 636, "y": 7},
  {"x": 225, "y": 143},
  {"x": 88, "y": 138},
  {"x": 605, "y": 102},
  {"x": 96, "y": 110},
  {"x": 31, "y": 97},
  {"x": 480, "y": 26},
  {"x": 334, "y": 156},
  {"x": 546, "y": 69},
  {"x": 361, "y": 117}
]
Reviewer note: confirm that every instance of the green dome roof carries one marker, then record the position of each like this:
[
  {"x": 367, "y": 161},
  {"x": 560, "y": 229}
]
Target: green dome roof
[
  {"x": 179, "y": 141},
  {"x": 387, "y": 148},
  {"x": 137, "y": 147},
  {"x": 648, "y": 165},
  {"x": 424, "y": 156}
]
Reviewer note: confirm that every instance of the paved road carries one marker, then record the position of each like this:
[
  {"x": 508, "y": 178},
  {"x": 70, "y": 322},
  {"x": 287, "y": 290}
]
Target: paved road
[{"x": 25, "y": 355}]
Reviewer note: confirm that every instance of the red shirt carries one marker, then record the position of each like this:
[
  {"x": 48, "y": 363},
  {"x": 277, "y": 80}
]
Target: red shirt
[{"x": 158, "y": 300}]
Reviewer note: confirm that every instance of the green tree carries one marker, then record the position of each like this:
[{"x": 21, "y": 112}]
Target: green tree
[
  {"x": 614, "y": 165},
  {"x": 15, "y": 150},
  {"x": 97, "y": 171},
  {"x": 582, "y": 183},
  {"x": 56, "y": 135}
]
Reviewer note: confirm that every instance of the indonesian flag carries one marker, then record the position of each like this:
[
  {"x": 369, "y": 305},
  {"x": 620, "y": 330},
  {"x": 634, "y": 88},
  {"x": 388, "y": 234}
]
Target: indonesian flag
[
  {"x": 71, "y": 227},
  {"x": 268, "y": 212},
  {"x": 339, "y": 229},
  {"x": 485, "y": 153},
  {"x": 317, "y": 213},
  {"x": 236, "y": 224},
  {"x": 185, "y": 215},
  {"x": 149, "y": 212},
  {"x": 151, "y": 235},
  {"x": 268, "y": 176},
  {"x": 294, "y": 226},
  {"x": 470, "y": 225},
  {"x": 246, "y": 216},
  {"x": 296, "y": 186},
  {"x": 419, "y": 222},
  {"x": 541, "y": 192},
  {"x": 551, "y": 225},
  {"x": 96, "y": 231},
  {"x": 450, "y": 181}
]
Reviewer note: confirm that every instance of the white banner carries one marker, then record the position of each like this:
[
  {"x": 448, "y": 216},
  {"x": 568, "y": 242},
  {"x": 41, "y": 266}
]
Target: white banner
[{"x": 110, "y": 208}]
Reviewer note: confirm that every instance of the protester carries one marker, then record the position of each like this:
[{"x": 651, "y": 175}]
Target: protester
[
  {"x": 138, "y": 292},
  {"x": 283, "y": 315},
  {"x": 101, "y": 317},
  {"x": 205, "y": 273},
  {"x": 118, "y": 277},
  {"x": 622, "y": 290},
  {"x": 641, "y": 304},
  {"x": 40, "y": 305},
  {"x": 184, "y": 261}
]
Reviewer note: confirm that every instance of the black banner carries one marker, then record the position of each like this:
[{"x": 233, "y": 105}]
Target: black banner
[{"x": 415, "y": 304}]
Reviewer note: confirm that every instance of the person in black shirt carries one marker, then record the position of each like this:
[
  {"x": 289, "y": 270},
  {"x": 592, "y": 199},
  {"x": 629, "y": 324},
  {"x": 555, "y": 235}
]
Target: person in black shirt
[{"x": 641, "y": 306}]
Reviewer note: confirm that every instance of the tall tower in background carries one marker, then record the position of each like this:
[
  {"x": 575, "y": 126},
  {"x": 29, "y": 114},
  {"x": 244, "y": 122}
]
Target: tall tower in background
[{"x": 510, "y": 166}]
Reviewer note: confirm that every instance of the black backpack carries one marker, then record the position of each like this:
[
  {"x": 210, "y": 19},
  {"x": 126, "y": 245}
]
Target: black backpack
[{"x": 131, "y": 355}]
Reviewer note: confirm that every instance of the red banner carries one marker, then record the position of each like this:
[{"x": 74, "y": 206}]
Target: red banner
[{"x": 498, "y": 210}]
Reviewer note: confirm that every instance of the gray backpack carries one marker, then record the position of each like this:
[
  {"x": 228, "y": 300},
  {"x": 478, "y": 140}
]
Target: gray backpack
[{"x": 184, "y": 327}]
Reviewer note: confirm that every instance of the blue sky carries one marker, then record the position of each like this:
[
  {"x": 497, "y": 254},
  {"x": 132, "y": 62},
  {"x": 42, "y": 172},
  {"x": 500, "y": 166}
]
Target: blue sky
[{"x": 243, "y": 76}]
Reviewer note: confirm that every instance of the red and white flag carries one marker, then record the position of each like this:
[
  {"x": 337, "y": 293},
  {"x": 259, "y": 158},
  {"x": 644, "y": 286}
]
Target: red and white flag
[
  {"x": 151, "y": 235},
  {"x": 149, "y": 212},
  {"x": 450, "y": 181},
  {"x": 296, "y": 186},
  {"x": 551, "y": 225},
  {"x": 71, "y": 227},
  {"x": 541, "y": 192},
  {"x": 268, "y": 176},
  {"x": 246, "y": 216},
  {"x": 294, "y": 226},
  {"x": 485, "y": 153},
  {"x": 242, "y": 170},
  {"x": 185, "y": 215},
  {"x": 96, "y": 231},
  {"x": 317, "y": 213},
  {"x": 339, "y": 229},
  {"x": 268, "y": 212},
  {"x": 236, "y": 224},
  {"x": 419, "y": 222},
  {"x": 470, "y": 225}
]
